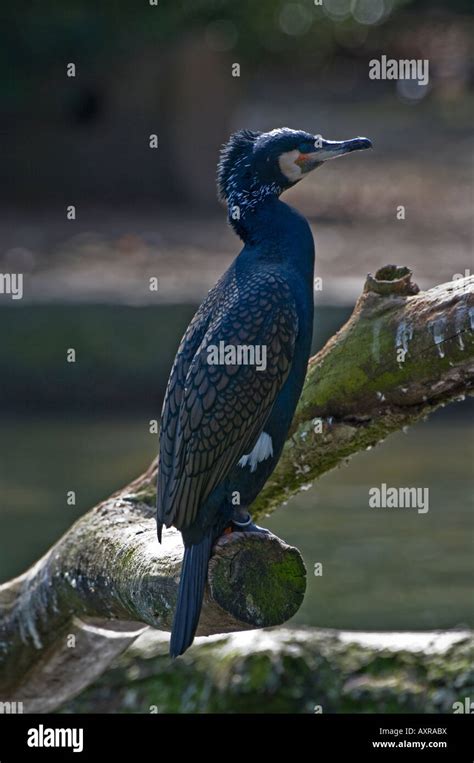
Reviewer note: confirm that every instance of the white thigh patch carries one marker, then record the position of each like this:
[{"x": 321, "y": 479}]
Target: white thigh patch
[{"x": 263, "y": 449}]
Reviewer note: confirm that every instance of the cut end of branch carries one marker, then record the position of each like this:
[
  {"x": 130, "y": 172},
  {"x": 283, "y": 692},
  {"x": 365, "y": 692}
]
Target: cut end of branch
[
  {"x": 257, "y": 578},
  {"x": 392, "y": 280}
]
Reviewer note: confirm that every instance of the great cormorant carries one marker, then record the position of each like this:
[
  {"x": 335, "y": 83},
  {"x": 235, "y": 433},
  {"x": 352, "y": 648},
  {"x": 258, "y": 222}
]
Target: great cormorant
[{"x": 241, "y": 364}]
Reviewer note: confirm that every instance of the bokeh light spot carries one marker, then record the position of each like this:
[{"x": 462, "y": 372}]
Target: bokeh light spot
[{"x": 295, "y": 19}]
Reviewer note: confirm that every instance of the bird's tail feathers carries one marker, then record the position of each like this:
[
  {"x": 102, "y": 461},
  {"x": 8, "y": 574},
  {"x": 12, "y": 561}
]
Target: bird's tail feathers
[{"x": 190, "y": 594}]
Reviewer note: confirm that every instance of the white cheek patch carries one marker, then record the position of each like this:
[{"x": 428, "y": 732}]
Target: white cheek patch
[
  {"x": 262, "y": 450},
  {"x": 288, "y": 167}
]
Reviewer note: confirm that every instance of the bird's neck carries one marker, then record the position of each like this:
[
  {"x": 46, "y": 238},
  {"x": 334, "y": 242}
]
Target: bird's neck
[
  {"x": 275, "y": 232},
  {"x": 246, "y": 209}
]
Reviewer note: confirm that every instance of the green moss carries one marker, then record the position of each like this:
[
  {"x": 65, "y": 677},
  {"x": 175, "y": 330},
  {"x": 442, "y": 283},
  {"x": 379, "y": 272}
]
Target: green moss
[
  {"x": 146, "y": 495},
  {"x": 269, "y": 590}
]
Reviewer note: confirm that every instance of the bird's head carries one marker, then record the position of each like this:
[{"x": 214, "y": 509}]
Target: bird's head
[{"x": 255, "y": 164}]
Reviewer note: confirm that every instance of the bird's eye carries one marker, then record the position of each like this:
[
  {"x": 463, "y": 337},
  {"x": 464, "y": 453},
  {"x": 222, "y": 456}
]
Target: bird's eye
[{"x": 306, "y": 147}]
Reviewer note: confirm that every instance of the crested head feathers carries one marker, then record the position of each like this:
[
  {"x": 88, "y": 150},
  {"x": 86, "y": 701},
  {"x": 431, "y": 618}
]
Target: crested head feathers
[{"x": 234, "y": 162}]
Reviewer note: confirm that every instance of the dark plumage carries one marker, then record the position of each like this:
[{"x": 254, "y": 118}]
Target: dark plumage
[
  {"x": 224, "y": 424},
  {"x": 235, "y": 161}
]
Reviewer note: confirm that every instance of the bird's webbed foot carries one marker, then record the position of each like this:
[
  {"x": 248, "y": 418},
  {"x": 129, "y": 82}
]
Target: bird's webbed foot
[{"x": 242, "y": 522}]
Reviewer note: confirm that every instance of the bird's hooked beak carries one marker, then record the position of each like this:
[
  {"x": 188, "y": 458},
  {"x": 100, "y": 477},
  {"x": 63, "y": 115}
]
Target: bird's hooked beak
[{"x": 329, "y": 149}]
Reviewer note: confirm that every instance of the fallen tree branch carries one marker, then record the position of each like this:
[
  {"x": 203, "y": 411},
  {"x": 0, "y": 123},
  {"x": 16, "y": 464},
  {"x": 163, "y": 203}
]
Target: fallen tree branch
[
  {"x": 401, "y": 355},
  {"x": 291, "y": 671}
]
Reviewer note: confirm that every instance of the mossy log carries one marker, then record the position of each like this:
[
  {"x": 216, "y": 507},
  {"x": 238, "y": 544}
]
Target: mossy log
[
  {"x": 290, "y": 671},
  {"x": 88, "y": 598},
  {"x": 402, "y": 354}
]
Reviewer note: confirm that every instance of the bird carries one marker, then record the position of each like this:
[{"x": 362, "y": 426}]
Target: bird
[{"x": 241, "y": 364}]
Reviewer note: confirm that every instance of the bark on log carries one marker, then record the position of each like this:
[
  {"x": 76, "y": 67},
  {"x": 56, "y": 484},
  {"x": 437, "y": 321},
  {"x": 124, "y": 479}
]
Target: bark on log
[{"x": 400, "y": 356}]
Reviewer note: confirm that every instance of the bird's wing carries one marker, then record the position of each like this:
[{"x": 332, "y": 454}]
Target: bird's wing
[
  {"x": 175, "y": 390},
  {"x": 221, "y": 409}
]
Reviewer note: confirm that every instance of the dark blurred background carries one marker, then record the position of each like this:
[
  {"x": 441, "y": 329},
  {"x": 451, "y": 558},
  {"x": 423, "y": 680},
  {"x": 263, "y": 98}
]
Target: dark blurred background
[{"x": 142, "y": 212}]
